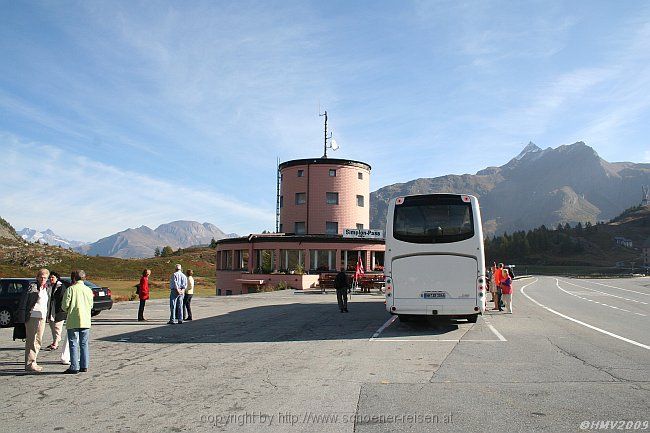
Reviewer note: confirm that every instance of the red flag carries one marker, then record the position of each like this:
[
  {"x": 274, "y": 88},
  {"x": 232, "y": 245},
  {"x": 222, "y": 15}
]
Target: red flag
[{"x": 359, "y": 271}]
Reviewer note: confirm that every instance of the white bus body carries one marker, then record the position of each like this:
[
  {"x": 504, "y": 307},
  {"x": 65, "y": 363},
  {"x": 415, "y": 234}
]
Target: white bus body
[{"x": 435, "y": 263}]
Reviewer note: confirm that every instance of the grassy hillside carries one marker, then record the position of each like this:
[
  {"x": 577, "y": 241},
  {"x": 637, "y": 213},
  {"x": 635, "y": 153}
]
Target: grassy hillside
[
  {"x": 23, "y": 259},
  {"x": 589, "y": 247}
]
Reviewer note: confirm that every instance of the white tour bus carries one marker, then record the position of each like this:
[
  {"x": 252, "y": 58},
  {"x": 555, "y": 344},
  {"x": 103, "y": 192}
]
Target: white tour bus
[{"x": 434, "y": 263}]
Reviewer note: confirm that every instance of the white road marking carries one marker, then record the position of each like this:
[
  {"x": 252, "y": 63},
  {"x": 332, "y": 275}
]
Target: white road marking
[
  {"x": 384, "y": 326},
  {"x": 611, "y": 334},
  {"x": 393, "y": 318},
  {"x": 627, "y": 290},
  {"x": 557, "y": 283},
  {"x": 497, "y": 333},
  {"x": 604, "y": 293},
  {"x": 406, "y": 340}
]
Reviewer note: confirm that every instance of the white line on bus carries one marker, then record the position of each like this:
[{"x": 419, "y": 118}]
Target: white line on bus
[{"x": 611, "y": 334}]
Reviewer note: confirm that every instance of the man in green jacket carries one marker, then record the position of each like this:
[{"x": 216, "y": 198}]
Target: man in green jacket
[{"x": 78, "y": 302}]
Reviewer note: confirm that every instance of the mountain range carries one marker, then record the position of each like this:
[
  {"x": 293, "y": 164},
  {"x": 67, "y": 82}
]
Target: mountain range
[
  {"x": 143, "y": 241},
  {"x": 48, "y": 237},
  {"x": 568, "y": 184}
]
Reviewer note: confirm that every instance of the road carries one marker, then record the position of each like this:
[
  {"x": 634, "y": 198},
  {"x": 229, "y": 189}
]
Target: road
[{"x": 574, "y": 351}]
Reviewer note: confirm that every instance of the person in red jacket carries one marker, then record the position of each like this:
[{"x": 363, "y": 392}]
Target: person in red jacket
[
  {"x": 506, "y": 290},
  {"x": 143, "y": 293}
]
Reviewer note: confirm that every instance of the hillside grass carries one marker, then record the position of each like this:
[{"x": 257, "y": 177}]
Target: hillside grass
[
  {"x": 124, "y": 290},
  {"x": 22, "y": 259}
]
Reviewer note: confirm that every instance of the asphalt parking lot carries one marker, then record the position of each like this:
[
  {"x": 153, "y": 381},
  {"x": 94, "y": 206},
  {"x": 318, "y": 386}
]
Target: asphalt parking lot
[{"x": 291, "y": 362}]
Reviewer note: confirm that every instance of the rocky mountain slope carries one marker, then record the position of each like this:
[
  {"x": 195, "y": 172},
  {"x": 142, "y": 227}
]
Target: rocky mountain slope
[
  {"x": 568, "y": 184},
  {"x": 142, "y": 241}
]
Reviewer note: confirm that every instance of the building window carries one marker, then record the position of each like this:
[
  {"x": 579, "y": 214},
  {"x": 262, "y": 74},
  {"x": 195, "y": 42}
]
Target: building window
[
  {"x": 332, "y": 198},
  {"x": 349, "y": 259},
  {"x": 241, "y": 260},
  {"x": 322, "y": 260},
  {"x": 226, "y": 259},
  {"x": 301, "y": 197},
  {"x": 360, "y": 200},
  {"x": 299, "y": 228},
  {"x": 265, "y": 261},
  {"x": 301, "y": 173},
  {"x": 360, "y": 175},
  {"x": 281, "y": 228},
  {"x": 281, "y": 201},
  {"x": 331, "y": 228},
  {"x": 359, "y": 226},
  {"x": 332, "y": 172},
  {"x": 291, "y": 260}
]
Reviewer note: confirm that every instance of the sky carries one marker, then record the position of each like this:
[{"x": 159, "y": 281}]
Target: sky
[{"x": 119, "y": 114}]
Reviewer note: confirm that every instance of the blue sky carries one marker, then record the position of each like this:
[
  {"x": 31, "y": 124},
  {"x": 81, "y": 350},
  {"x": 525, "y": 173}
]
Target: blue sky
[{"x": 121, "y": 113}]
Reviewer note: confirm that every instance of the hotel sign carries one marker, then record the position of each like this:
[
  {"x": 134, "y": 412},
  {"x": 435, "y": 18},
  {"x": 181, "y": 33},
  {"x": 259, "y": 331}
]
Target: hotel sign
[{"x": 363, "y": 233}]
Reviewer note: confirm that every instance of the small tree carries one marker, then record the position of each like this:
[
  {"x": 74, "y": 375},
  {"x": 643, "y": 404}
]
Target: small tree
[
  {"x": 213, "y": 243},
  {"x": 167, "y": 251},
  {"x": 156, "y": 252}
]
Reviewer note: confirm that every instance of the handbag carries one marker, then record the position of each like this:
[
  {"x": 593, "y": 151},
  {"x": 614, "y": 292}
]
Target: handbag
[{"x": 20, "y": 332}]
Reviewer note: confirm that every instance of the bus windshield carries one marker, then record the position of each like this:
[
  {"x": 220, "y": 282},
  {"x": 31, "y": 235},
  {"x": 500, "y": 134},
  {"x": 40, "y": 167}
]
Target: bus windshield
[{"x": 433, "y": 219}]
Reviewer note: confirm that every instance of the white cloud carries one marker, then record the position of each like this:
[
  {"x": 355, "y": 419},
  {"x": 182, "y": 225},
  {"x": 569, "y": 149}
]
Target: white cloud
[{"x": 45, "y": 187}]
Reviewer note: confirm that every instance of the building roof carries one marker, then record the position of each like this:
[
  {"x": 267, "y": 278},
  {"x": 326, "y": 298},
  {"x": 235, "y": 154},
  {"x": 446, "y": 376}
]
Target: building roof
[
  {"x": 330, "y": 161},
  {"x": 281, "y": 237}
]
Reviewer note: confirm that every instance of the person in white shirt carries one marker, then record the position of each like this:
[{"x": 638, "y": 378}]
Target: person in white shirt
[
  {"x": 188, "y": 295},
  {"x": 33, "y": 311}
]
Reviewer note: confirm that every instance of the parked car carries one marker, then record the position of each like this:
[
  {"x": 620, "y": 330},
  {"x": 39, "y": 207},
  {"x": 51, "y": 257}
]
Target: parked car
[
  {"x": 102, "y": 299},
  {"x": 10, "y": 291},
  {"x": 12, "y": 288}
]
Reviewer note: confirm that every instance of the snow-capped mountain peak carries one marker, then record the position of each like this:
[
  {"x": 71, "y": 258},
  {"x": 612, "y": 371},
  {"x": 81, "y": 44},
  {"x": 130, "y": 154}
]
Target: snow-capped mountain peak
[
  {"x": 48, "y": 237},
  {"x": 530, "y": 148}
]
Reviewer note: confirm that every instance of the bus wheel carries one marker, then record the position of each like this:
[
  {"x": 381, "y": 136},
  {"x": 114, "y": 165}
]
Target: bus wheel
[
  {"x": 404, "y": 318},
  {"x": 473, "y": 318}
]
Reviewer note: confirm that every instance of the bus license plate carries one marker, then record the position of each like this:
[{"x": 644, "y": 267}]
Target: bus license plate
[{"x": 433, "y": 295}]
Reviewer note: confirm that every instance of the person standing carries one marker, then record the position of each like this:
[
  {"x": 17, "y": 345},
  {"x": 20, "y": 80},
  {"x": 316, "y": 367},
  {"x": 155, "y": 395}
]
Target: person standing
[
  {"x": 498, "y": 278},
  {"x": 177, "y": 286},
  {"x": 187, "y": 300},
  {"x": 342, "y": 286},
  {"x": 56, "y": 316},
  {"x": 78, "y": 302},
  {"x": 143, "y": 293},
  {"x": 33, "y": 311},
  {"x": 506, "y": 290}
]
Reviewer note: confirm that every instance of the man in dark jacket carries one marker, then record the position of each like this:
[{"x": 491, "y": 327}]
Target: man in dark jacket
[
  {"x": 56, "y": 314},
  {"x": 34, "y": 312},
  {"x": 342, "y": 286}
]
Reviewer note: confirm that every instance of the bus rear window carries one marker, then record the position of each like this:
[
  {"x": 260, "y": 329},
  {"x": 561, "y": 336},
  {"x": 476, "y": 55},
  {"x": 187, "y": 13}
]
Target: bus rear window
[{"x": 433, "y": 219}]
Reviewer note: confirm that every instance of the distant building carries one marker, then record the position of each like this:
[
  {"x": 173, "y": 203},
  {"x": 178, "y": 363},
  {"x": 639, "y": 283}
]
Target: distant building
[
  {"x": 625, "y": 242},
  {"x": 324, "y": 227}
]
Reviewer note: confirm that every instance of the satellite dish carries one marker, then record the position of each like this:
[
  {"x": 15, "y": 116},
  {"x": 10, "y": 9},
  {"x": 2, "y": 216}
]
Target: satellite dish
[{"x": 335, "y": 145}]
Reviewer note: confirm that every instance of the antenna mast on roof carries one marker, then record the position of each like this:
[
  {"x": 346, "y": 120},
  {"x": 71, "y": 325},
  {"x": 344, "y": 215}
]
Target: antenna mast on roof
[
  {"x": 277, "y": 198},
  {"x": 333, "y": 144},
  {"x": 326, "y": 137}
]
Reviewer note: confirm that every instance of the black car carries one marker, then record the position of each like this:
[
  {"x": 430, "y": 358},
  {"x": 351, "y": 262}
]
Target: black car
[
  {"x": 101, "y": 296},
  {"x": 10, "y": 291},
  {"x": 12, "y": 288}
]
